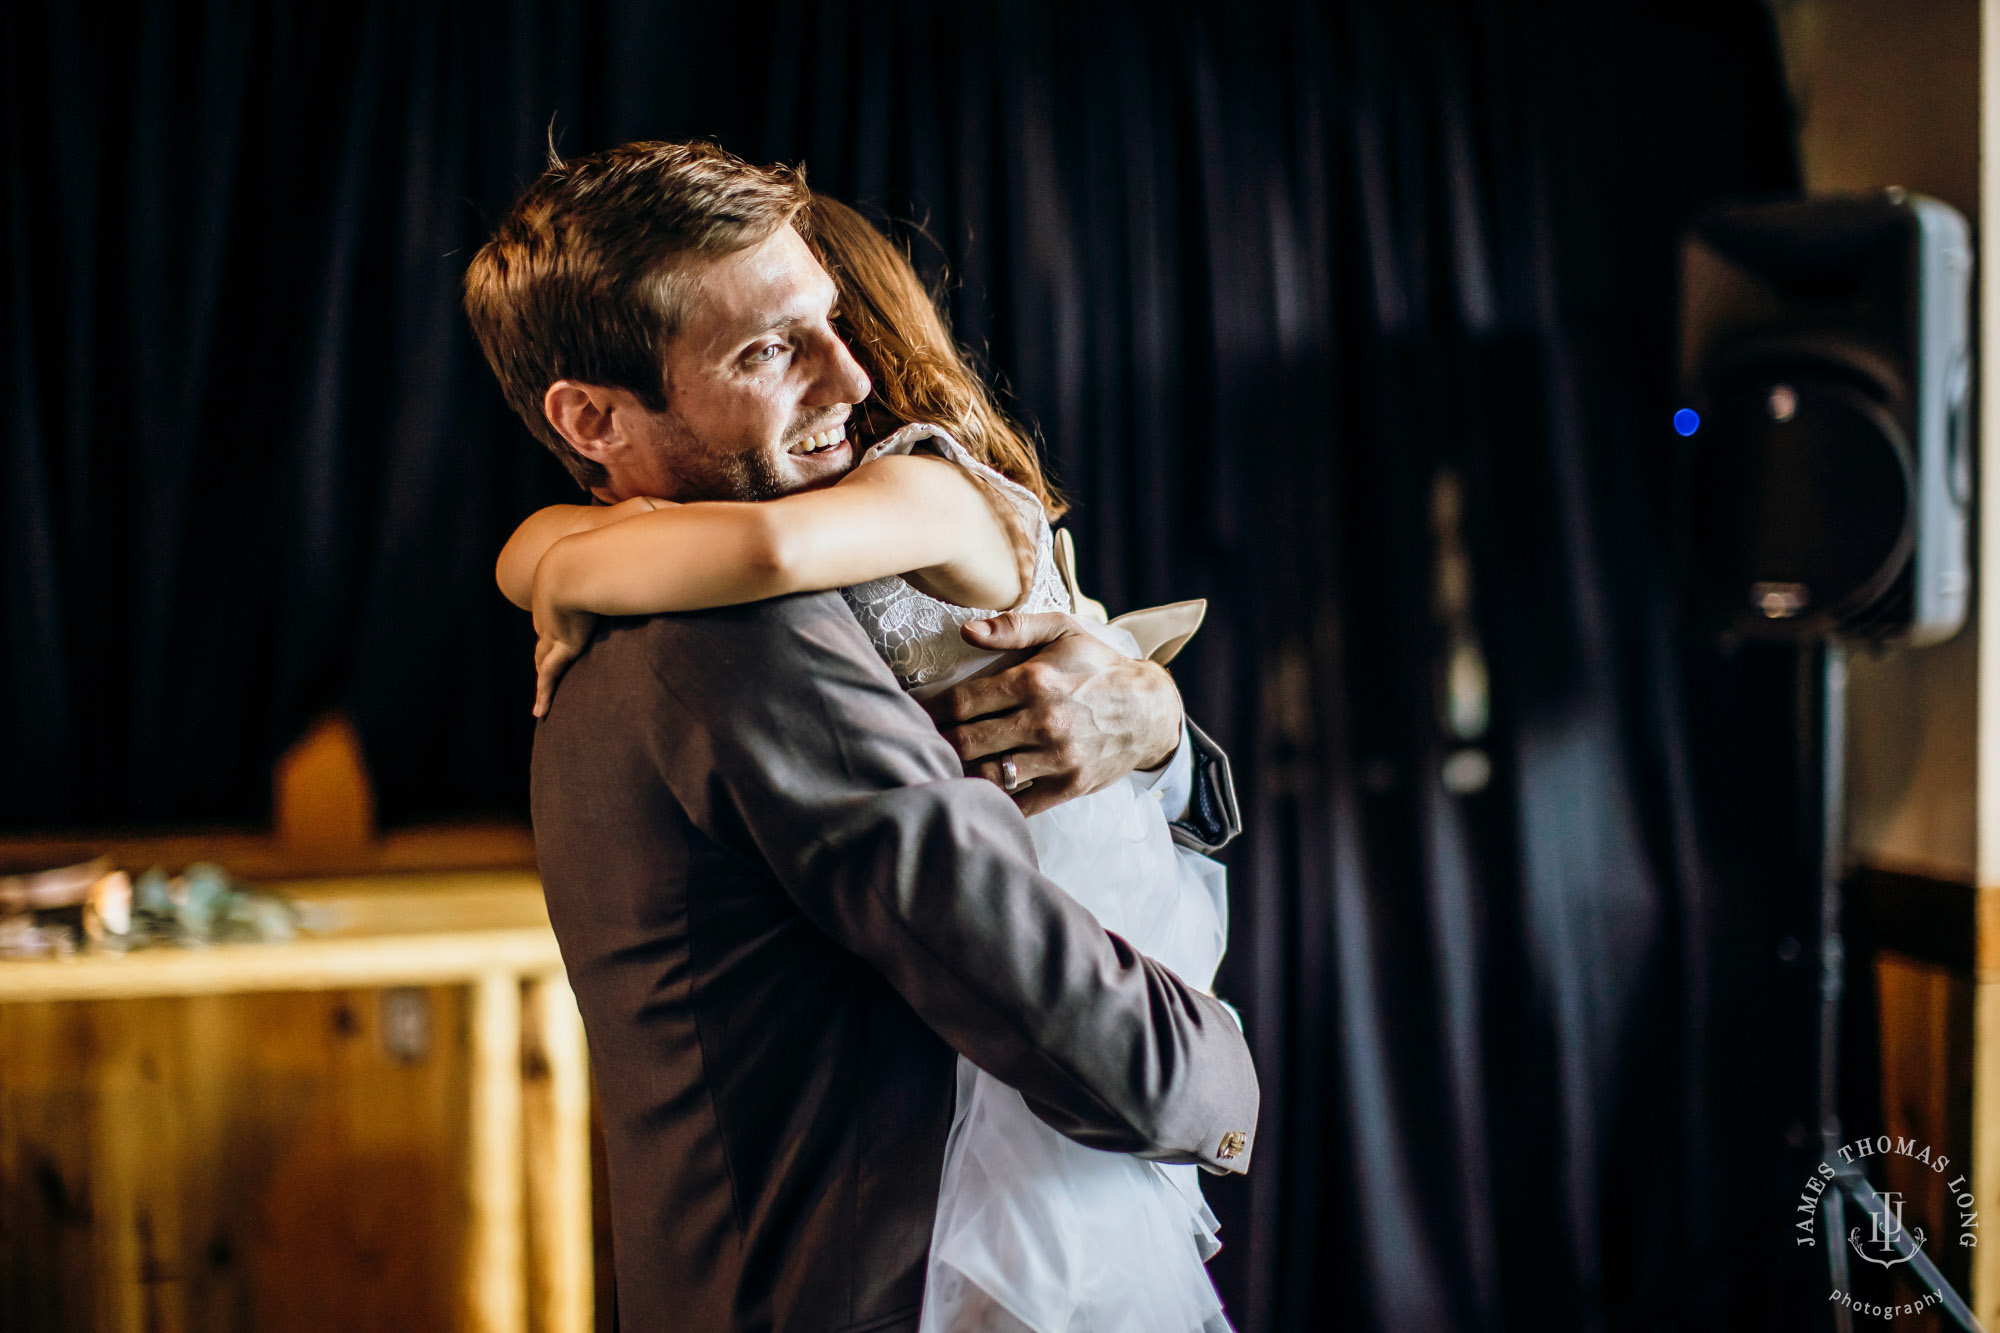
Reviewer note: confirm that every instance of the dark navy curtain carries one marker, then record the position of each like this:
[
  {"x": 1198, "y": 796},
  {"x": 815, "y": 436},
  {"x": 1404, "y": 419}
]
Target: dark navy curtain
[{"x": 1354, "y": 318}]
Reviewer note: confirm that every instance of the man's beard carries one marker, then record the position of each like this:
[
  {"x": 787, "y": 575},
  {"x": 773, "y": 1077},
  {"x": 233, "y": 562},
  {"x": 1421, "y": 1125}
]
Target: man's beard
[
  {"x": 750, "y": 476},
  {"x": 701, "y": 473}
]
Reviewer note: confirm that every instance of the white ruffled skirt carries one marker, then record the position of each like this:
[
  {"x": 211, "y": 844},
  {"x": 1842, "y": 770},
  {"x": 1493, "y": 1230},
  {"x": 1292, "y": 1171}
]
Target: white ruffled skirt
[{"x": 1034, "y": 1230}]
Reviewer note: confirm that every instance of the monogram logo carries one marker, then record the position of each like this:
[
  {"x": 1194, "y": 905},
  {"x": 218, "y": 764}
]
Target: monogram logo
[
  {"x": 1884, "y": 1230},
  {"x": 1886, "y": 1241}
]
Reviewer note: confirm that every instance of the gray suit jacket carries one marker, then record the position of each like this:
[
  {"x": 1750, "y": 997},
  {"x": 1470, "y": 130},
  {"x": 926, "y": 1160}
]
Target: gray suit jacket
[{"x": 783, "y": 908}]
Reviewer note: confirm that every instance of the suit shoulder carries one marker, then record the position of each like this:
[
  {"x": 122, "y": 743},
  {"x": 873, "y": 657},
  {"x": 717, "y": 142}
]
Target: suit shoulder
[
  {"x": 728, "y": 649},
  {"x": 774, "y": 618}
]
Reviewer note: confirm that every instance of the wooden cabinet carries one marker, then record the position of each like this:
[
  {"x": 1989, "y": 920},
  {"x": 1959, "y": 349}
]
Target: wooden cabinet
[{"x": 384, "y": 1126}]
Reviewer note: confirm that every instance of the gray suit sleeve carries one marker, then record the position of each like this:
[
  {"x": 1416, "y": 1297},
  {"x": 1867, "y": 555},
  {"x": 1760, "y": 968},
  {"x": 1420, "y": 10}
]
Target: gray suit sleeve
[
  {"x": 1211, "y": 819},
  {"x": 785, "y": 733}
]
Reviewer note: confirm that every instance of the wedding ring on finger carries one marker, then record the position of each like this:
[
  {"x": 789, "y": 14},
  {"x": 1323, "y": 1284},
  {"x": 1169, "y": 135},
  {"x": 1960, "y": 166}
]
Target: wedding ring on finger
[{"x": 1010, "y": 776}]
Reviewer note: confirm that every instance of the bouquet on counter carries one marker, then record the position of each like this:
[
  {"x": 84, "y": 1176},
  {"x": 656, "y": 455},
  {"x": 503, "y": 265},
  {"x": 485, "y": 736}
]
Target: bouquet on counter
[{"x": 94, "y": 906}]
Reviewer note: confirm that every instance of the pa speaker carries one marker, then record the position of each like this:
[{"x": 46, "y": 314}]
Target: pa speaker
[{"x": 1825, "y": 464}]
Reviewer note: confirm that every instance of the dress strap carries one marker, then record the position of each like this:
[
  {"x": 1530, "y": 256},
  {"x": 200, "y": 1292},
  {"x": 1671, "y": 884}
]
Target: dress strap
[
  {"x": 908, "y": 439},
  {"x": 1041, "y": 581}
]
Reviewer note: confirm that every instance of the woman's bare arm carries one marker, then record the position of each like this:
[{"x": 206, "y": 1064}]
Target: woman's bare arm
[
  {"x": 918, "y": 516},
  {"x": 515, "y": 571},
  {"x": 924, "y": 518}
]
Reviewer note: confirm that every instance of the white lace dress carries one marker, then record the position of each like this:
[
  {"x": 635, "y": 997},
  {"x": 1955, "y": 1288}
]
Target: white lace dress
[{"x": 1034, "y": 1230}]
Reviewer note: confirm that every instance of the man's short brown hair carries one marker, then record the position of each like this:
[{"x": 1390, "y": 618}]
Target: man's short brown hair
[{"x": 577, "y": 281}]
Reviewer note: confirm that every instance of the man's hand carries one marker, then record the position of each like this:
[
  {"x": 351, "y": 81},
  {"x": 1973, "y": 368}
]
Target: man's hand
[{"x": 1074, "y": 718}]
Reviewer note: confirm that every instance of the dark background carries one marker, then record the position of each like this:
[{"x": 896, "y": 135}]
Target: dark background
[{"x": 1262, "y": 274}]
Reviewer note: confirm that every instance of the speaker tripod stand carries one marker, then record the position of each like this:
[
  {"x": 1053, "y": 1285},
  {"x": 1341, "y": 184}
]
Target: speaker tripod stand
[{"x": 1823, "y": 708}]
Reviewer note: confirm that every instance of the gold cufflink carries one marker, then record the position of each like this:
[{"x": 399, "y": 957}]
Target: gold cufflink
[{"x": 1232, "y": 1144}]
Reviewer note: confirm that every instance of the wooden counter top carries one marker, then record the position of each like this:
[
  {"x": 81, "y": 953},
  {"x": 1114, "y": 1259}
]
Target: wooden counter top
[{"x": 432, "y": 929}]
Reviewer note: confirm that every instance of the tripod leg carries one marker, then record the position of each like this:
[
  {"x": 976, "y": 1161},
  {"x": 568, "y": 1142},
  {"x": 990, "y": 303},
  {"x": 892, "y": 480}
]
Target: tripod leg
[
  {"x": 1834, "y": 1213},
  {"x": 1822, "y": 772}
]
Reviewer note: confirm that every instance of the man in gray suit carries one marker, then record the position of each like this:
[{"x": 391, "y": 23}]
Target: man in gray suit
[{"x": 782, "y": 901}]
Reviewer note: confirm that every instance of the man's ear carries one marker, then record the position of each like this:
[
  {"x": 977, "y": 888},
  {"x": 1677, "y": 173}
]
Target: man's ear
[{"x": 592, "y": 417}]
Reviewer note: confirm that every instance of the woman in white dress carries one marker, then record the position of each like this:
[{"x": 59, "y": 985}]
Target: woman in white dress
[{"x": 943, "y": 522}]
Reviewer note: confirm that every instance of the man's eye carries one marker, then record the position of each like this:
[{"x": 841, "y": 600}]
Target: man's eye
[{"x": 767, "y": 353}]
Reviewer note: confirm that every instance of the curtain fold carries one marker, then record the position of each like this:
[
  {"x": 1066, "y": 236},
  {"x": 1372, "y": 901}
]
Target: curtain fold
[{"x": 1355, "y": 319}]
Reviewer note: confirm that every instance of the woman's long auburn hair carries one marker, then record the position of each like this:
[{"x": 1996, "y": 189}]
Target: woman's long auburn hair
[{"x": 896, "y": 332}]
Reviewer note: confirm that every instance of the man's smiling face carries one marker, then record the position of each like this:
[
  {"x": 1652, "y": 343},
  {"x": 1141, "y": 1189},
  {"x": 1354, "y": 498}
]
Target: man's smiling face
[{"x": 758, "y": 384}]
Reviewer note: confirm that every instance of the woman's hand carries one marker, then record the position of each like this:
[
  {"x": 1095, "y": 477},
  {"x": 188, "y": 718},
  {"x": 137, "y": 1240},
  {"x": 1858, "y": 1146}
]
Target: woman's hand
[{"x": 561, "y": 634}]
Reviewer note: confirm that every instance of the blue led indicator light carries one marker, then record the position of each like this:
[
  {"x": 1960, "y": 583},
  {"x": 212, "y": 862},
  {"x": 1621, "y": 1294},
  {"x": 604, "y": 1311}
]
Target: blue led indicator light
[{"x": 1687, "y": 421}]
